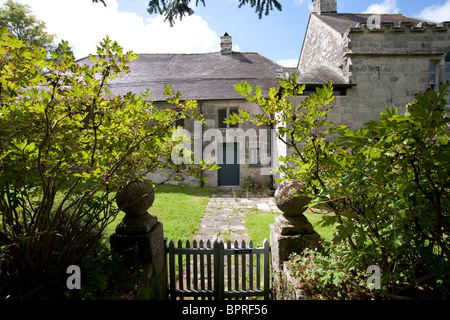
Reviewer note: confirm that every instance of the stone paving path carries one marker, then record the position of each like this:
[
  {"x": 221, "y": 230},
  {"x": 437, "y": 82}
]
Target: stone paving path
[{"x": 224, "y": 217}]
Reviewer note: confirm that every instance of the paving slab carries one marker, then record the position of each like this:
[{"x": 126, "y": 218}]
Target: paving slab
[
  {"x": 263, "y": 206},
  {"x": 224, "y": 217}
]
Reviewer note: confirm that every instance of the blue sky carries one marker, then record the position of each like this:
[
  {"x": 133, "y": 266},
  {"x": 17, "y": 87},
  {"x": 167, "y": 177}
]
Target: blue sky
[{"x": 278, "y": 36}]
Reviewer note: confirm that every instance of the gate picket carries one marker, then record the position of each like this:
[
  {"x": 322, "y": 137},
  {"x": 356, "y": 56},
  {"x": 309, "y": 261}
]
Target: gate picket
[
  {"x": 250, "y": 245},
  {"x": 208, "y": 259},
  {"x": 213, "y": 277}
]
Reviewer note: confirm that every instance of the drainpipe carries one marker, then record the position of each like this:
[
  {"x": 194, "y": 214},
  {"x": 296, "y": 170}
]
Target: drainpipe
[
  {"x": 271, "y": 152},
  {"x": 201, "y": 171}
]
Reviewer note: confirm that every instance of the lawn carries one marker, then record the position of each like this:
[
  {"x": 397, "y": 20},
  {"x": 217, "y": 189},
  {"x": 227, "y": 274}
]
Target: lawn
[
  {"x": 179, "y": 208},
  {"x": 258, "y": 226}
]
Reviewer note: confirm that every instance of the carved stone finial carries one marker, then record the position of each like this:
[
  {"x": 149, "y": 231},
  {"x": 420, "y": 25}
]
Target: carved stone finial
[
  {"x": 289, "y": 199},
  {"x": 135, "y": 198}
]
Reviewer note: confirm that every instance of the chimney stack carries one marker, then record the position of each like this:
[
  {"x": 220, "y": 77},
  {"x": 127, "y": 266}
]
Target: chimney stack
[
  {"x": 226, "y": 45},
  {"x": 325, "y": 6}
]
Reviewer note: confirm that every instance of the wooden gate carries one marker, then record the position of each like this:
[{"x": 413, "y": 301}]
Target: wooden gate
[{"x": 217, "y": 271}]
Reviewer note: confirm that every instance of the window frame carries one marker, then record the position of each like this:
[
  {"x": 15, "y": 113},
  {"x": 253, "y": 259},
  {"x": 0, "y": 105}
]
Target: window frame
[
  {"x": 447, "y": 67},
  {"x": 180, "y": 123},
  {"x": 447, "y": 76},
  {"x": 433, "y": 74},
  {"x": 229, "y": 110},
  {"x": 258, "y": 157}
]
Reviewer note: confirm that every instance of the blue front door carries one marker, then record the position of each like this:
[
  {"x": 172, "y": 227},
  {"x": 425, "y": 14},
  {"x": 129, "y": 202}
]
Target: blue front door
[{"x": 229, "y": 169}]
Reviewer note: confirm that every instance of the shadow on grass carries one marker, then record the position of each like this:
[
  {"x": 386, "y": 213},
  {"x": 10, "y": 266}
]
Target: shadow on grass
[{"x": 179, "y": 208}]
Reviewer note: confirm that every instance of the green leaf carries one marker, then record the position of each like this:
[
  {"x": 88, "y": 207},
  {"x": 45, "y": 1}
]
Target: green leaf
[
  {"x": 257, "y": 93},
  {"x": 243, "y": 88},
  {"x": 245, "y": 115},
  {"x": 344, "y": 229}
]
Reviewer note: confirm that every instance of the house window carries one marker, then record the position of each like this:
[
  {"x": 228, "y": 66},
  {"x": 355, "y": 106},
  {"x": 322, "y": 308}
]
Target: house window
[
  {"x": 447, "y": 76},
  {"x": 434, "y": 74},
  {"x": 254, "y": 157},
  {"x": 225, "y": 113},
  {"x": 447, "y": 68},
  {"x": 179, "y": 123}
]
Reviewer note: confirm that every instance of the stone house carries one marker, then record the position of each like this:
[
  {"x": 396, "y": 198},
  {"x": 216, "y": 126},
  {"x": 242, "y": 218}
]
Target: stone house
[
  {"x": 209, "y": 78},
  {"x": 380, "y": 60},
  {"x": 374, "y": 61}
]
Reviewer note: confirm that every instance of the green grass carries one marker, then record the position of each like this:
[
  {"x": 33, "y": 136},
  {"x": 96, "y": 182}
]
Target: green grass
[
  {"x": 327, "y": 233},
  {"x": 179, "y": 208},
  {"x": 258, "y": 226}
]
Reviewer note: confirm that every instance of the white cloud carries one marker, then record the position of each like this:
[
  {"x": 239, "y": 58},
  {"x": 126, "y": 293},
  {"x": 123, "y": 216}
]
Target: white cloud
[
  {"x": 387, "y": 6},
  {"x": 436, "y": 12},
  {"x": 288, "y": 63},
  {"x": 84, "y": 24}
]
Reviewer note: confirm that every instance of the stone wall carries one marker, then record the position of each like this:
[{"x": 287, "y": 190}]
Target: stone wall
[
  {"x": 323, "y": 46},
  {"x": 210, "y": 111},
  {"x": 389, "y": 67},
  {"x": 287, "y": 286}
]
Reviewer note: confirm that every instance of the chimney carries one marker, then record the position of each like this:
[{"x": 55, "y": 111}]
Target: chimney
[
  {"x": 226, "y": 45},
  {"x": 325, "y": 6}
]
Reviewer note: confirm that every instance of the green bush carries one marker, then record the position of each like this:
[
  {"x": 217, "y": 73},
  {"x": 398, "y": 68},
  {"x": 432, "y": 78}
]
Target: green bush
[
  {"x": 392, "y": 198},
  {"x": 325, "y": 273},
  {"x": 66, "y": 146},
  {"x": 388, "y": 183}
]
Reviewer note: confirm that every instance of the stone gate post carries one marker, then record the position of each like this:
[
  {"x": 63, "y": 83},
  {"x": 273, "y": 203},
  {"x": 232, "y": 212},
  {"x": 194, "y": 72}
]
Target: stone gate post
[
  {"x": 291, "y": 231},
  {"x": 140, "y": 235}
]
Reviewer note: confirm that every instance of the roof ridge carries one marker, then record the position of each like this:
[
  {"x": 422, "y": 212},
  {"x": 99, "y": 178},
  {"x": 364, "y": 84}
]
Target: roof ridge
[
  {"x": 364, "y": 14},
  {"x": 345, "y": 22},
  {"x": 191, "y": 53},
  {"x": 274, "y": 62}
]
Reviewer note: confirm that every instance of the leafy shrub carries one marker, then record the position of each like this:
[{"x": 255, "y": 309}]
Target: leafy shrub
[
  {"x": 393, "y": 200},
  {"x": 325, "y": 273},
  {"x": 66, "y": 146},
  {"x": 388, "y": 183},
  {"x": 247, "y": 184}
]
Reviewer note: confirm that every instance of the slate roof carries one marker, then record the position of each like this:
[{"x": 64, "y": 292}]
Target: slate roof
[
  {"x": 203, "y": 76},
  {"x": 322, "y": 75},
  {"x": 342, "y": 22}
]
